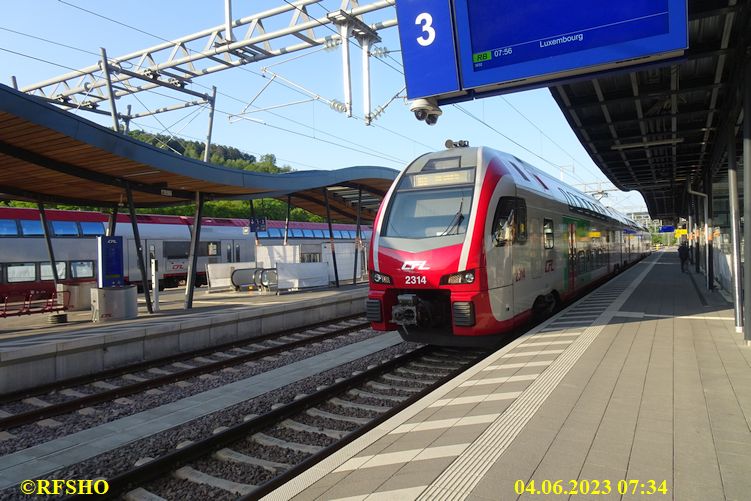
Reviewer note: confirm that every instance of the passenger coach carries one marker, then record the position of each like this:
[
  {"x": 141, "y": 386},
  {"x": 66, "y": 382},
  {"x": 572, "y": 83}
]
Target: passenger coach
[{"x": 470, "y": 243}]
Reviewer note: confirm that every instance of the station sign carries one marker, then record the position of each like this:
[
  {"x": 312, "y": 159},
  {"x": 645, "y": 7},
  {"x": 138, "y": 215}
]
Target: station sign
[
  {"x": 499, "y": 45},
  {"x": 110, "y": 269},
  {"x": 667, "y": 229}
]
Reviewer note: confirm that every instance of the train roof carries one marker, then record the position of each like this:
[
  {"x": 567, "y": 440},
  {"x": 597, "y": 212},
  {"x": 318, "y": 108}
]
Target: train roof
[{"x": 534, "y": 179}]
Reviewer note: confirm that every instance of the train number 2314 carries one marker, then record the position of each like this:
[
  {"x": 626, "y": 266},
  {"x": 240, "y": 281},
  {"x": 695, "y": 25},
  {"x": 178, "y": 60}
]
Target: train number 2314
[{"x": 415, "y": 280}]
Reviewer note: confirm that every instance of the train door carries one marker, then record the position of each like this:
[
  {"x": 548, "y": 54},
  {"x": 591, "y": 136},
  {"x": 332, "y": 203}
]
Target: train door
[
  {"x": 508, "y": 232},
  {"x": 535, "y": 247},
  {"x": 572, "y": 258}
]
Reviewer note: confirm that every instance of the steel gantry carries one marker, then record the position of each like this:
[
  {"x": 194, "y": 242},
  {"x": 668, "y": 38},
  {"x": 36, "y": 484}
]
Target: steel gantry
[{"x": 175, "y": 64}]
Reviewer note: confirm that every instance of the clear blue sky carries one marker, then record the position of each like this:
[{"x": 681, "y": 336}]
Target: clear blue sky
[{"x": 307, "y": 135}]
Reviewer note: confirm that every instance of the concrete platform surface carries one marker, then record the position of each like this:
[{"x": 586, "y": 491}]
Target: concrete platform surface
[{"x": 641, "y": 387}]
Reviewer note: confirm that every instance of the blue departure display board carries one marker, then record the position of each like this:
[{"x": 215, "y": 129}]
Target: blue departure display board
[
  {"x": 454, "y": 50},
  {"x": 506, "y": 41}
]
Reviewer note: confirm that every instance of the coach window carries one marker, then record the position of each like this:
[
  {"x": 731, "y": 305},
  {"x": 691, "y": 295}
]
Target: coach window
[
  {"x": 64, "y": 229},
  {"x": 89, "y": 229},
  {"x": 31, "y": 228},
  {"x": 45, "y": 271},
  {"x": 8, "y": 228},
  {"x": 308, "y": 233},
  {"x": 82, "y": 269},
  {"x": 547, "y": 233},
  {"x": 176, "y": 250},
  {"x": 21, "y": 272}
]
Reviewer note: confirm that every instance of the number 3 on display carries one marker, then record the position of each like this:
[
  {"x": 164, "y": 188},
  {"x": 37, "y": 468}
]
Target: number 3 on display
[{"x": 426, "y": 20}]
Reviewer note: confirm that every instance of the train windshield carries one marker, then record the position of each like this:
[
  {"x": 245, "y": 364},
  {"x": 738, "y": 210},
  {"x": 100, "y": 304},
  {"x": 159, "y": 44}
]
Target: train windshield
[{"x": 429, "y": 213}]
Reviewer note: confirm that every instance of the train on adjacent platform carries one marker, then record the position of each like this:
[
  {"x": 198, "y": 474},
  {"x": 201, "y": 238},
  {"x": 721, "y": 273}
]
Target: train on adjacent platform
[
  {"x": 471, "y": 243},
  {"x": 25, "y": 264}
]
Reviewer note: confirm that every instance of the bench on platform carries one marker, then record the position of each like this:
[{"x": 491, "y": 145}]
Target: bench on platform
[{"x": 34, "y": 302}]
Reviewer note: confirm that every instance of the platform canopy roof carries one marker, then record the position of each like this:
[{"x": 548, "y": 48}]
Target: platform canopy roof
[
  {"x": 53, "y": 156},
  {"x": 659, "y": 128}
]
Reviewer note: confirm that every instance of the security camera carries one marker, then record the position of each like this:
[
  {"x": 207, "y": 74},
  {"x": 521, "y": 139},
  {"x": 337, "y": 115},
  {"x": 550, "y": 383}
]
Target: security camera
[{"x": 426, "y": 109}]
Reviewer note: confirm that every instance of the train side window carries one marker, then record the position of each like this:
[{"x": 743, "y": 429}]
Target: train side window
[
  {"x": 45, "y": 270},
  {"x": 318, "y": 233},
  {"x": 176, "y": 250},
  {"x": 21, "y": 272},
  {"x": 307, "y": 233},
  {"x": 503, "y": 231},
  {"x": 547, "y": 233},
  {"x": 92, "y": 229},
  {"x": 31, "y": 228},
  {"x": 276, "y": 233},
  {"x": 296, "y": 232},
  {"x": 82, "y": 269},
  {"x": 2, "y": 274},
  {"x": 64, "y": 229},
  {"x": 262, "y": 234},
  {"x": 8, "y": 228},
  {"x": 337, "y": 234}
]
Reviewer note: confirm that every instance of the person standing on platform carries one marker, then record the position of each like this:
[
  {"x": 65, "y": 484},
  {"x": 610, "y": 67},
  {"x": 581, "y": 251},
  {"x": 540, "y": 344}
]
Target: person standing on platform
[{"x": 683, "y": 254}]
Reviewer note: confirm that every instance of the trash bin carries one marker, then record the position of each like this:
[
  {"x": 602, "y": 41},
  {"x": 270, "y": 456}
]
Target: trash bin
[{"x": 114, "y": 303}]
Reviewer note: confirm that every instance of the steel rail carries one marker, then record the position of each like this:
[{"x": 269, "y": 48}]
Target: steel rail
[
  {"x": 164, "y": 465},
  {"x": 137, "y": 387}
]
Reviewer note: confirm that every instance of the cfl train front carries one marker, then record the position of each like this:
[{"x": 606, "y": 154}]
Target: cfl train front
[{"x": 434, "y": 257}]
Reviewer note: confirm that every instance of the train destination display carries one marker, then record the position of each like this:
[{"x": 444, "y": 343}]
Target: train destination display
[
  {"x": 545, "y": 39},
  {"x": 492, "y": 44}
]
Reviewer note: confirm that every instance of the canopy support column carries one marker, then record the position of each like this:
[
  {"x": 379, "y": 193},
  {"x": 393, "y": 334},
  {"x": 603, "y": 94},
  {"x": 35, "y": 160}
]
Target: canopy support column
[
  {"x": 286, "y": 220},
  {"x": 747, "y": 205},
  {"x": 331, "y": 234},
  {"x": 195, "y": 238},
  {"x": 112, "y": 222},
  {"x": 48, "y": 241},
  {"x": 139, "y": 251},
  {"x": 709, "y": 214},
  {"x": 735, "y": 230},
  {"x": 357, "y": 236}
]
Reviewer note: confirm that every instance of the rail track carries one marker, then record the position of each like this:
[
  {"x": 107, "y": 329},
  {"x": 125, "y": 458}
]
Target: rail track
[
  {"x": 254, "y": 457},
  {"x": 163, "y": 371}
]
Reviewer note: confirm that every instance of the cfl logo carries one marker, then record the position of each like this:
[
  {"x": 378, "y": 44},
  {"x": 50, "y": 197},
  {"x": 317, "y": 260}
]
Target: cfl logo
[{"x": 414, "y": 265}]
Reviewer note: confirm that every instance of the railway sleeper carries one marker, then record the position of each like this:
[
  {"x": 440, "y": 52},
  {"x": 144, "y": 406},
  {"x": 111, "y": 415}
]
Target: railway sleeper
[
  {"x": 412, "y": 372},
  {"x": 421, "y": 365},
  {"x": 399, "y": 379},
  {"x": 449, "y": 361},
  {"x": 141, "y": 494},
  {"x": 392, "y": 387},
  {"x": 199, "y": 477},
  {"x": 376, "y": 396},
  {"x": 337, "y": 417},
  {"x": 363, "y": 407},
  {"x": 238, "y": 457},
  {"x": 306, "y": 428},
  {"x": 269, "y": 441}
]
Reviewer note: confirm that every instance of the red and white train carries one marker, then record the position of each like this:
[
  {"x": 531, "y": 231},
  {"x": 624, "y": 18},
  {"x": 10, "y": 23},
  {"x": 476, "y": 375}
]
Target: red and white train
[
  {"x": 470, "y": 243},
  {"x": 25, "y": 264}
]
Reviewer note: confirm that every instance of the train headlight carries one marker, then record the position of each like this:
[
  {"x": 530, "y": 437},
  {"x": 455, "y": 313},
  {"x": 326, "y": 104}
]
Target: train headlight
[
  {"x": 380, "y": 278},
  {"x": 463, "y": 277}
]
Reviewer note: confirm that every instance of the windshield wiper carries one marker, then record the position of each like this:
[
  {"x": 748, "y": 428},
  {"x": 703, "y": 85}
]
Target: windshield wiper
[{"x": 456, "y": 221}]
